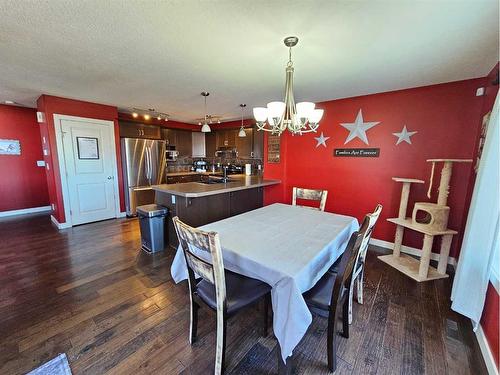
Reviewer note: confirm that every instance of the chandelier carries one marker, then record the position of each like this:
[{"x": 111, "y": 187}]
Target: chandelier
[{"x": 298, "y": 118}]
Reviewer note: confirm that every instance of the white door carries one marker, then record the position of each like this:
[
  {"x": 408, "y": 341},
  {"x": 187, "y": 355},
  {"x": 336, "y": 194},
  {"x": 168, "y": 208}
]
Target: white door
[{"x": 90, "y": 169}]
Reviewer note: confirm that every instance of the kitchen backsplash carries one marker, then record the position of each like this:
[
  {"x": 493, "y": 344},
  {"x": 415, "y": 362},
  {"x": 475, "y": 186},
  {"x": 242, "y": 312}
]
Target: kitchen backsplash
[{"x": 184, "y": 164}]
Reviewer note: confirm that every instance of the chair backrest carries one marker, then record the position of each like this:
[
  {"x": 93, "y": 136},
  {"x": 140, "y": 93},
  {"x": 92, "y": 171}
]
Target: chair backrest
[
  {"x": 346, "y": 266},
  {"x": 192, "y": 240},
  {"x": 366, "y": 230},
  {"x": 310, "y": 194}
]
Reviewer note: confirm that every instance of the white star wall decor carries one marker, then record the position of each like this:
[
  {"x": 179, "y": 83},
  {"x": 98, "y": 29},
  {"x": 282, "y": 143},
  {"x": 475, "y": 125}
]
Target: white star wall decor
[
  {"x": 358, "y": 128},
  {"x": 321, "y": 140},
  {"x": 404, "y": 135}
]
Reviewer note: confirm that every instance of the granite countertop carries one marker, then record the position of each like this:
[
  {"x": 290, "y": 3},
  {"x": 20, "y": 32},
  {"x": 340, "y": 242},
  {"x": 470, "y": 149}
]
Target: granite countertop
[{"x": 198, "y": 189}]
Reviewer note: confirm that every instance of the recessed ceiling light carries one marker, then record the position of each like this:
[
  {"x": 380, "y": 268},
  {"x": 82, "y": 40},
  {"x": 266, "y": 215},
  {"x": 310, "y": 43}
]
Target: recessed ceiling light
[{"x": 9, "y": 102}]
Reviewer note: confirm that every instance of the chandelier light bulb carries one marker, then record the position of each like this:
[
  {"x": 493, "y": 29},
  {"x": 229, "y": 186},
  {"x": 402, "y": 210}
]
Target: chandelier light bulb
[
  {"x": 158, "y": 118},
  {"x": 147, "y": 117},
  {"x": 260, "y": 114},
  {"x": 316, "y": 116},
  {"x": 135, "y": 114}
]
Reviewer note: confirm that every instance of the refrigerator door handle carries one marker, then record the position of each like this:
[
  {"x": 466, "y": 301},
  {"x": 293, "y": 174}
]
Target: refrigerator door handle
[{"x": 150, "y": 164}]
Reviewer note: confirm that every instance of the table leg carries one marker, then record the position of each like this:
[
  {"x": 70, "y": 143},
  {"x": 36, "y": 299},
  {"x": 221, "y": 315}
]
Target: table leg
[
  {"x": 444, "y": 252},
  {"x": 398, "y": 240},
  {"x": 426, "y": 256}
]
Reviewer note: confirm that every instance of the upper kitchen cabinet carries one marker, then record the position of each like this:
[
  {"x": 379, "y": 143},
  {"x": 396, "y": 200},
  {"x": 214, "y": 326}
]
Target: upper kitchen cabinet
[
  {"x": 244, "y": 144},
  {"x": 181, "y": 139},
  {"x": 137, "y": 130},
  {"x": 169, "y": 135},
  {"x": 210, "y": 144},
  {"x": 257, "y": 144},
  {"x": 226, "y": 137},
  {"x": 198, "y": 140},
  {"x": 184, "y": 142}
]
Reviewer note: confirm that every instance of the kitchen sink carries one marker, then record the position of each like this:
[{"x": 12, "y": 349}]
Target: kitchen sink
[{"x": 212, "y": 181}]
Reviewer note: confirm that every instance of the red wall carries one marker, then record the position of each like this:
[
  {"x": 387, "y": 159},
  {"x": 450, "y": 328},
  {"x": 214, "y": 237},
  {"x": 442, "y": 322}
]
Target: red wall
[
  {"x": 22, "y": 182},
  {"x": 447, "y": 118},
  {"x": 51, "y": 105}
]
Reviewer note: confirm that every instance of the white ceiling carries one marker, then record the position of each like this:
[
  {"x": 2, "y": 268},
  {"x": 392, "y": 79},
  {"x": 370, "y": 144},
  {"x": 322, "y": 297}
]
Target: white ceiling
[{"x": 162, "y": 54}]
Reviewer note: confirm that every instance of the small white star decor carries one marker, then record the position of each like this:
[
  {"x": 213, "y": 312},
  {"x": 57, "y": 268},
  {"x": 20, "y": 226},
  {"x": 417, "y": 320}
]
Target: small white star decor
[
  {"x": 321, "y": 140},
  {"x": 358, "y": 128},
  {"x": 404, "y": 135}
]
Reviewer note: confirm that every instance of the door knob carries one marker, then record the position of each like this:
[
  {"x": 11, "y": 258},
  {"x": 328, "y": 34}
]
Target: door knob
[{"x": 110, "y": 177}]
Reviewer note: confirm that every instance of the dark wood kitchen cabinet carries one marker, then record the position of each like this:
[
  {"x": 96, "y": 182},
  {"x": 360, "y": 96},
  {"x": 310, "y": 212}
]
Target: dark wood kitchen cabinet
[
  {"x": 244, "y": 144},
  {"x": 169, "y": 135},
  {"x": 184, "y": 142},
  {"x": 226, "y": 137},
  {"x": 257, "y": 144},
  {"x": 138, "y": 130},
  {"x": 210, "y": 144},
  {"x": 203, "y": 210}
]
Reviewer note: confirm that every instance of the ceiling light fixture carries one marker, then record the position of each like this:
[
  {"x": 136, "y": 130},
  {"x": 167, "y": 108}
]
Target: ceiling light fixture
[
  {"x": 205, "y": 128},
  {"x": 242, "y": 133},
  {"x": 147, "y": 116},
  {"x": 10, "y": 102},
  {"x": 159, "y": 118},
  {"x": 135, "y": 114},
  {"x": 298, "y": 119}
]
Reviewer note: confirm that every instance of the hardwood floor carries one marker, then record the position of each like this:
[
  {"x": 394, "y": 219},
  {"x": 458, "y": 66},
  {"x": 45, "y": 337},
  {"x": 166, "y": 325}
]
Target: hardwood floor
[{"x": 90, "y": 293}]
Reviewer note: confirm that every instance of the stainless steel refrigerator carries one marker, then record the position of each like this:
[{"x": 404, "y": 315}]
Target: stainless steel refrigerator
[{"x": 144, "y": 165}]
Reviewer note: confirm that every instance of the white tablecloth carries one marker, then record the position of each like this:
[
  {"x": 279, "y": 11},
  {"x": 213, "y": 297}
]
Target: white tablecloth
[{"x": 288, "y": 247}]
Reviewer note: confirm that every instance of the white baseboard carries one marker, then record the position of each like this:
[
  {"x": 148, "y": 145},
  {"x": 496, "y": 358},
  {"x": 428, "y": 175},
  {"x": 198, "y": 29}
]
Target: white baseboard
[
  {"x": 486, "y": 351},
  {"x": 25, "y": 211},
  {"x": 58, "y": 224},
  {"x": 120, "y": 215},
  {"x": 410, "y": 250}
]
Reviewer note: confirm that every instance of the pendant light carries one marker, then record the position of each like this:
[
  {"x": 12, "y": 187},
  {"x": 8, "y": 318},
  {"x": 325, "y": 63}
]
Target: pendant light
[
  {"x": 242, "y": 133},
  {"x": 205, "y": 128}
]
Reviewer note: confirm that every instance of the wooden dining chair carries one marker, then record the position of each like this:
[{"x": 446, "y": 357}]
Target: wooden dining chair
[
  {"x": 330, "y": 296},
  {"x": 359, "y": 266},
  {"x": 310, "y": 194},
  {"x": 221, "y": 290}
]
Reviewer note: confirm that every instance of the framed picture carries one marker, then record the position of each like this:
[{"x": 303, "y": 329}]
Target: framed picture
[
  {"x": 10, "y": 147},
  {"x": 88, "y": 148},
  {"x": 273, "y": 148}
]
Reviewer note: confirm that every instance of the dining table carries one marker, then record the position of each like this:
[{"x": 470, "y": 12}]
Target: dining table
[{"x": 288, "y": 247}]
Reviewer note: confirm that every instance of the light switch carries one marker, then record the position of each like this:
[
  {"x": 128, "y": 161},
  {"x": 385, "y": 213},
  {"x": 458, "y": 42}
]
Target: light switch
[
  {"x": 40, "y": 163},
  {"x": 173, "y": 199}
]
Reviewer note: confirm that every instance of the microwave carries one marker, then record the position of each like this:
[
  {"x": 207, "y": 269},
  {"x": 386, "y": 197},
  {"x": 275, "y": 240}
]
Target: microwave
[{"x": 171, "y": 155}]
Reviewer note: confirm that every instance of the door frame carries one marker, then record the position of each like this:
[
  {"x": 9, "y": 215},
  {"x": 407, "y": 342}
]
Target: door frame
[{"x": 62, "y": 163}]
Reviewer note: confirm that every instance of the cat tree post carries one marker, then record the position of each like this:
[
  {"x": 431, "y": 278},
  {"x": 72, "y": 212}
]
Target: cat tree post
[{"x": 403, "y": 205}]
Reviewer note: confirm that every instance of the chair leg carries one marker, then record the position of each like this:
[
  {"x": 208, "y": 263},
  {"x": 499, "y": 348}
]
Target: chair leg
[
  {"x": 360, "y": 286},
  {"x": 332, "y": 340},
  {"x": 193, "y": 328},
  {"x": 220, "y": 351},
  {"x": 346, "y": 315},
  {"x": 266, "y": 314},
  {"x": 350, "y": 297}
]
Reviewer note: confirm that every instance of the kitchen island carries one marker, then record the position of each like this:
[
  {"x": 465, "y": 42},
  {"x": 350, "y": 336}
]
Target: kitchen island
[{"x": 198, "y": 203}]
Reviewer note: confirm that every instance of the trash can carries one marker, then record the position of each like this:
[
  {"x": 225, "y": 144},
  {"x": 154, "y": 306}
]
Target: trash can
[{"x": 152, "y": 224}]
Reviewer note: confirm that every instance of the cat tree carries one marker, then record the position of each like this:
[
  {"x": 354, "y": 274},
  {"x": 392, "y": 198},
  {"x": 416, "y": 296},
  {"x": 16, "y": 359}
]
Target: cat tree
[{"x": 430, "y": 219}]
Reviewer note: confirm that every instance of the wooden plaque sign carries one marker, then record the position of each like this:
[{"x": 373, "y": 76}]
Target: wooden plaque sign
[
  {"x": 273, "y": 148},
  {"x": 357, "y": 152}
]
